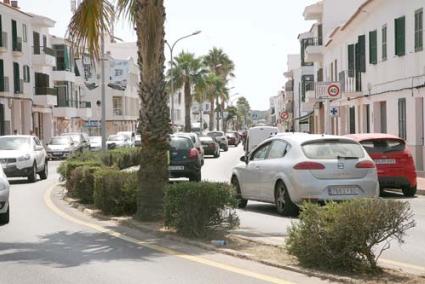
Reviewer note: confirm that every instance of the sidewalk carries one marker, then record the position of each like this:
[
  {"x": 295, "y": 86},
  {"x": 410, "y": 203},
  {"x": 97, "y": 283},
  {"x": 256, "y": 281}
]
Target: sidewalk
[{"x": 421, "y": 186}]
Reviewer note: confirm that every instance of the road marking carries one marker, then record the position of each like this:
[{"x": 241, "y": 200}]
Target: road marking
[{"x": 49, "y": 203}]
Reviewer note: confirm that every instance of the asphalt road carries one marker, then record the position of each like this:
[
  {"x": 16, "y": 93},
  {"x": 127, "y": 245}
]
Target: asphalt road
[
  {"x": 260, "y": 220},
  {"x": 49, "y": 242}
]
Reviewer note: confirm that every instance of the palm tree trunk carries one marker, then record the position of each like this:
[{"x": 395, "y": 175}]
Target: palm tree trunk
[
  {"x": 218, "y": 115},
  {"x": 223, "y": 122},
  {"x": 154, "y": 112},
  {"x": 211, "y": 126},
  {"x": 187, "y": 106}
]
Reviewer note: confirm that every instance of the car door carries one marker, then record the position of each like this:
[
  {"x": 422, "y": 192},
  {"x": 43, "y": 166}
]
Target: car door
[
  {"x": 272, "y": 166},
  {"x": 38, "y": 153},
  {"x": 252, "y": 173}
]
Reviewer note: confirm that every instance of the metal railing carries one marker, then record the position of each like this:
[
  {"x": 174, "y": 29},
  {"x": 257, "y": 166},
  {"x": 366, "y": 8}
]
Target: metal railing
[
  {"x": 84, "y": 104},
  {"x": 19, "y": 87},
  {"x": 4, "y": 84},
  {"x": 61, "y": 66},
  {"x": 17, "y": 44},
  {"x": 72, "y": 103},
  {"x": 117, "y": 111},
  {"x": 43, "y": 91},
  {"x": 44, "y": 50},
  {"x": 3, "y": 41}
]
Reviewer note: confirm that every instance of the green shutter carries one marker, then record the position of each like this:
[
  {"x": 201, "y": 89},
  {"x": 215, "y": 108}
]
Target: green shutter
[
  {"x": 1, "y": 33},
  {"x": 362, "y": 53},
  {"x": 419, "y": 30},
  {"x": 1, "y": 76},
  {"x": 400, "y": 45},
  {"x": 373, "y": 52},
  {"x": 351, "y": 60},
  {"x": 16, "y": 76},
  {"x": 384, "y": 43},
  {"x": 14, "y": 36}
]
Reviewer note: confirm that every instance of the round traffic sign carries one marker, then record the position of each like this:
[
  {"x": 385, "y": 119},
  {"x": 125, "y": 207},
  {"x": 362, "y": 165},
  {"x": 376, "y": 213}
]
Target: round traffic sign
[
  {"x": 284, "y": 115},
  {"x": 333, "y": 90}
]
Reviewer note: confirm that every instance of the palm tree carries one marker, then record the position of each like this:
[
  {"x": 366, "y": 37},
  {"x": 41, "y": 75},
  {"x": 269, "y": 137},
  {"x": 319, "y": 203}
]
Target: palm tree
[
  {"x": 187, "y": 73},
  {"x": 94, "y": 18},
  {"x": 220, "y": 64}
]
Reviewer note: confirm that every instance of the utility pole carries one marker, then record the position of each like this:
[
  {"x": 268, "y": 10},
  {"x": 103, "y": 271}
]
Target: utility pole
[{"x": 102, "y": 90}]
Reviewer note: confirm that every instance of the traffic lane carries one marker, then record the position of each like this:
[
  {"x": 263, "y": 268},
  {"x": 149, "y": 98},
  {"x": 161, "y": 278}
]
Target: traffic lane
[{"x": 220, "y": 169}]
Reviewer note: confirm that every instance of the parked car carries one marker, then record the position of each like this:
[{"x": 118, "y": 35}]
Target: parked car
[
  {"x": 396, "y": 168},
  {"x": 196, "y": 142},
  {"x": 95, "y": 143},
  {"x": 118, "y": 141},
  {"x": 4, "y": 198},
  {"x": 184, "y": 159},
  {"x": 60, "y": 147},
  {"x": 80, "y": 139},
  {"x": 232, "y": 139},
  {"x": 138, "y": 140},
  {"x": 289, "y": 169},
  {"x": 255, "y": 135},
  {"x": 23, "y": 156},
  {"x": 210, "y": 146},
  {"x": 220, "y": 138},
  {"x": 130, "y": 135}
]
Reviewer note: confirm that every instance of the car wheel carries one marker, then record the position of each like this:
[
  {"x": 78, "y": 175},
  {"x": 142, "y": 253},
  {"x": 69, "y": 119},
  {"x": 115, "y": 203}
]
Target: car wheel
[
  {"x": 284, "y": 204},
  {"x": 33, "y": 175},
  {"x": 241, "y": 202},
  {"x": 196, "y": 177},
  {"x": 45, "y": 172},
  {"x": 226, "y": 148},
  {"x": 217, "y": 154},
  {"x": 202, "y": 162},
  {"x": 409, "y": 191},
  {"x": 4, "y": 218}
]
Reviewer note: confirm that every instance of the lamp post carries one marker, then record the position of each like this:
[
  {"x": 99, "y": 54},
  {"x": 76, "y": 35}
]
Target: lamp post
[{"x": 171, "y": 48}]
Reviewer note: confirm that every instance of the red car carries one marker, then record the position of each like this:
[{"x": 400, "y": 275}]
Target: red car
[{"x": 394, "y": 162}]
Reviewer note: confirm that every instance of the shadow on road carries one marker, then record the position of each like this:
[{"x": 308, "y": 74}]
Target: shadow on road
[
  {"x": 395, "y": 194},
  {"x": 20, "y": 181}
]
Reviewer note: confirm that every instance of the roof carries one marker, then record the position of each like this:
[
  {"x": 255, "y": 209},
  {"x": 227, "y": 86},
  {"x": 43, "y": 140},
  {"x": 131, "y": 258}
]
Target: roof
[
  {"x": 15, "y": 9},
  {"x": 358, "y": 11},
  {"x": 299, "y": 137},
  {"x": 369, "y": 136}
]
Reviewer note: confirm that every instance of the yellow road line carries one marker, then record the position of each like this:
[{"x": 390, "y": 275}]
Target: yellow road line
[{"x": 49, "y": 203}]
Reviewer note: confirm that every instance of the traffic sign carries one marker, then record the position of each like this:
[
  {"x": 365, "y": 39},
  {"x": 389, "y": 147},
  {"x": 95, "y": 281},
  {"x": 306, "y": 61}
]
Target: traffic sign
[
  {"x": 328, "y": 90},
  {"x": 284, "y": 115},
  {"x": 334, "y": 111},
  {"x": 333, "y": 90}
]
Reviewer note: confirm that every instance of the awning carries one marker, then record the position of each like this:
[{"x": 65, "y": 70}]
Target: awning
[{"x": 305, "y": 118}]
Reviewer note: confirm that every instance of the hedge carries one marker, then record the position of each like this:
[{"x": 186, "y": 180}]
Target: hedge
[
  {"x": 81, "y": 183},
  {"x": 195, "y": 209}
]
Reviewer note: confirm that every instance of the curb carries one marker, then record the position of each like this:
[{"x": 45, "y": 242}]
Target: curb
[
  {"x": 137, "y": 225},
  {"x": 420, "y": 191}
]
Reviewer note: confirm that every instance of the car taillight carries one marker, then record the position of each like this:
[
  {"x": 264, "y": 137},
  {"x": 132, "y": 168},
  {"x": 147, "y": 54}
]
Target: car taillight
[
  {"x": 199, "y": 149},
  {"x": 365, "y": 165},
  {"x": 309, "y": 166},
  {"x": 193, "y": 154}
]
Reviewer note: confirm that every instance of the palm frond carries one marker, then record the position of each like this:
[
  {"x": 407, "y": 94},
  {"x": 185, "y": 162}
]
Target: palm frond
[{"x": 127, "y": 9}]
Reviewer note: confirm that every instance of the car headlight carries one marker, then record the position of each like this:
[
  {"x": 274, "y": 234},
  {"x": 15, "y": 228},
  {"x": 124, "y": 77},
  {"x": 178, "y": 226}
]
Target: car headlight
[
  {"x": 25, "y": 157},
  {"x": 3, "y": 186}
]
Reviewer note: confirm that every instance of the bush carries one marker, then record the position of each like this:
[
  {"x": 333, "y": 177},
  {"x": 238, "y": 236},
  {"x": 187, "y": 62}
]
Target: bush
[
  {"x": 194, "y": 209},
  {"x": 115, "y": 192},
  {"x": 66, "y": 168},
  {"x": 346, "y": 235},
  {"x": 81, "y": 183},
  {"x": 122, "y": 158}
]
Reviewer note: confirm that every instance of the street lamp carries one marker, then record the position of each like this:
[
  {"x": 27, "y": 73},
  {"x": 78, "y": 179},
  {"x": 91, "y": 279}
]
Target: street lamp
[{"x": 171, "y": 48}]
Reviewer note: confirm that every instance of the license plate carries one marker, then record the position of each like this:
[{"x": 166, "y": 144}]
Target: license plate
[
  {"x": 57, "y": 153},
  {"x": 3, "y": 165},
  {"x": 343, "y": 190},
  {"x": 175, "y": 168},
  {"x": 385, "y": 161}
]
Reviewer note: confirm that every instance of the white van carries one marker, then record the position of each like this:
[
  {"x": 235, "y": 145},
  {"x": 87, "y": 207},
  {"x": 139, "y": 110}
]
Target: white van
[{"x": 258, "y": 134}]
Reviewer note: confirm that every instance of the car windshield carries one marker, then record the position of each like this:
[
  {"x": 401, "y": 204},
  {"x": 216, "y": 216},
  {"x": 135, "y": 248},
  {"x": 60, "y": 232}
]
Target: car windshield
[
  {"x": 332, "y": 149},
  {"x": 180, "y": 143},
  {"x": 60, "y": 141},
  {"x": 116, "y": 138},
  {"x": 95, "y": 139},
  {"x": 231, "y": 134},
  {"x": 383, "y": 145},
  {"x": 215, "y": 134},
  {"x": 14, "y": 143},
  {"x": 206, "y": 139},
  {"x": 75, "y": 137}
]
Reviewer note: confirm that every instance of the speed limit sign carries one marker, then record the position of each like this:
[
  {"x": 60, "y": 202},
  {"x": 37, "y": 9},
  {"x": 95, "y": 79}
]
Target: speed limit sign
[
  {"x": 333, "y": 90},
  {"x": 284, "y": 115}
]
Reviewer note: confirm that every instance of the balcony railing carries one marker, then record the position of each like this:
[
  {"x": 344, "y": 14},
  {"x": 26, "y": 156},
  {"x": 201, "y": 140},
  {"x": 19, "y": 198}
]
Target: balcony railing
[
  {"x": 44, "y": 50},
  {"x": 72, "y": 103},
  {"x": 3, "y": 40},
  {"x": 17, "y": 44},
  {"x": 4, "y": 84},
  {"x": 61, "y": 66},
  {"x": 43, "y": 91},
  {"x": 84, "y": 104},
  {"x": 117, "y": 111},
  {"x": 19, "y": 86}
]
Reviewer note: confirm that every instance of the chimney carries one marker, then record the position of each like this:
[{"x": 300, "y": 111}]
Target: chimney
[
  {"x": 15, "y": 4},
  {"x": 7, "y": 2}
]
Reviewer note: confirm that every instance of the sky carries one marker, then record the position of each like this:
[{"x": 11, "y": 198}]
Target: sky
[{"x": 257, "y": 36}]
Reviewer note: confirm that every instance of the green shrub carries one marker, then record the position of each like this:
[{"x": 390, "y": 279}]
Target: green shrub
[
  {"x": 66, "y": 168},
  {"x": 194, "y": 209},
  {"x": 121, "y": 158},
  {"x": 81, "y": 183},
  {"x": 345, "y": 236},
  {"x": 115, "y": 192}
]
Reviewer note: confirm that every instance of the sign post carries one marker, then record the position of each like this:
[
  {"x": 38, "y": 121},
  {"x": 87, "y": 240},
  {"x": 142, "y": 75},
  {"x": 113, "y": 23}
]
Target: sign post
[{"x": 327, "y": 91}]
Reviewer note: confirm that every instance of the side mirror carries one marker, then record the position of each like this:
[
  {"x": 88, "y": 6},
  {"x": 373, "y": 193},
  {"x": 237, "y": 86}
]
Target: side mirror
[
  {"x": 244, "y": 159},
  {"x": 38, "y": 148}
]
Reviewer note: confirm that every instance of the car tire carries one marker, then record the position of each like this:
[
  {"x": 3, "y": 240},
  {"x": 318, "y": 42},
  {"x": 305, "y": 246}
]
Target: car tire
[
  {"x": 45, "y": 172},
  {"x": 409, "y": 191},
  {"x": 283, "y": 202},
  {"x": 196, "y": 177},
  {"x": 33, "y": 175},
  {"x": 217, "y": 154},
  {"x": 4, "y": 217},
  {"x": 202, "y": 162},
  {"x": 226, "y": 148},
  {"x": 242, "y": 203}
]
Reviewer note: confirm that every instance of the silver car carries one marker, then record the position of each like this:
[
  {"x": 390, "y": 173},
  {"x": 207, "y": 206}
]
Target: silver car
[
  {"x": 4, "y": 198},
  {"x": 60, "y": 147},
  {"x": 289, "y": 169}
]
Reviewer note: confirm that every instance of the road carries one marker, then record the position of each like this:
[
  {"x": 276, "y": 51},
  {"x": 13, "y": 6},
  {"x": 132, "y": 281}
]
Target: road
[
  {"x": 260, "y": 220},
  {"x": 49, "y": 242}
]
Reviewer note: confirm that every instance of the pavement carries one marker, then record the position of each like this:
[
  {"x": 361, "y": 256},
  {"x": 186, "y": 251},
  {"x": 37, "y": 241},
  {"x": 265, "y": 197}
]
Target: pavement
[{"x": 420, "y": 185}]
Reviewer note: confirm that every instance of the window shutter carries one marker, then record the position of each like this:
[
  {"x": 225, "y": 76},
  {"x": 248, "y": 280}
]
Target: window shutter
[
  {"x": 362, "y": 53},
  {"x": 351, "y": 60},
  {"x": 1, "y": 76},
  {"x": 373, "y": 56},
  {"x": 400, "y": 25}
]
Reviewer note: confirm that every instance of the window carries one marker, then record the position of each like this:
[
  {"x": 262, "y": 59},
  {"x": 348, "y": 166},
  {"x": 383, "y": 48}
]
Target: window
[
  {"x": 351, "y": 60},
  {"x": 331, "y": 149},
  {"x": 367, "y": 116},
  {"x": 24, "y": 33},
  {"x": 400, "y": 44},
  {"x": 304, "y": 44},
  {"x": 336, "y": 70},
  {"x": 373, "y": 49},
  {"x": 361, "y": 54},
  {"x": 16, "y": 80},
  {"x": 14, "y": 36},
  {"x": 2, "y": 81},
  {"x": 383, "y": 117},
  {"x": 118, "y": 72},
  {"x": 278, "y": 149},
  {"x": 402, "y": 118},
  {"x": 261, "y": 153},
  {"x": 26, "y": 72},
  {"x": 352, "y": 120},
  {"x": 384, "y": 43},
  {"x": 419, "y": 30},
  {"x": 117, "y": 105}
]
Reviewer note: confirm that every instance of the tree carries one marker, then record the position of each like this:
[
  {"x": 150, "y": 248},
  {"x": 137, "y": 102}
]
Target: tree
[
  {"x": 220, "y": 64},
  {"x": 187, "y": 73},
  {"x": 243, "y": 107},
  {"x": 232, "y": 115},
  {"x": 94, "y": 18}
]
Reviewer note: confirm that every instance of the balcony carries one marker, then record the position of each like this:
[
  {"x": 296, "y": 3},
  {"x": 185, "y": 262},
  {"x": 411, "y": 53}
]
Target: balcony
[
  {"x": 44, "y": 56},
  {"x": 310, "y": 97},
  {"x": 4, "y": 85},
  {"x": 17, "y": 47},
  {"x": 61, "y": 72},
  {"x": 314, "y": 51},
  {"x": 3, "y": 42},
  {"x": 85, "y": 110},
  {"x": 45, "y": 96},
  {"x": 313, "y": 12},
  {"x": 18, "y": 86}
]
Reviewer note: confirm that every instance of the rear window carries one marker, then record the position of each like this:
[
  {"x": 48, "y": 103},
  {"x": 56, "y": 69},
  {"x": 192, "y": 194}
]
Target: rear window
[
  {"x": 215, "y": 134},
  {"x": 180, "y": 144},
  {"x": 206, "y": 139},
  {"x": 332, "y": 149},
  {"x": 383, "y": 145}
]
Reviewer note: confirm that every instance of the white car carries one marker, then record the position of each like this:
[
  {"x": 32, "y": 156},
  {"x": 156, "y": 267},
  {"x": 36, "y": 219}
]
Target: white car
[
  {"x": 23, "y": 156},
  {"x": 4, "y": 199},
  {"x": 289, "y": 169},
  {"x": 118, "y": 141},
  {"x": 129, "y": 134}
]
